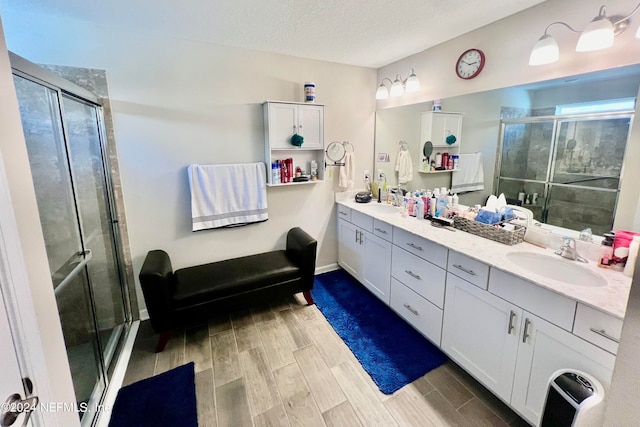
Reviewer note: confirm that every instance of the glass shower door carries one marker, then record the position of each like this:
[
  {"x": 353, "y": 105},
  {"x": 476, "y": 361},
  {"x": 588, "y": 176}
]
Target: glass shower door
[
  {"x": 97, "y": 220},
  {"x": 67, "y": 254}
]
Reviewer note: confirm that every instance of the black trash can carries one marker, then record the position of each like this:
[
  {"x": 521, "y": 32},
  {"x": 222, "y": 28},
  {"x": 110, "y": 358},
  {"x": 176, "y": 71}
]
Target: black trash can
[{"x": 574, "y": 399}]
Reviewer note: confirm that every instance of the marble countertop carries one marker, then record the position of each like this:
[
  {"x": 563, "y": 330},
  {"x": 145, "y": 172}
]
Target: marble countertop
[{"x": 611, "y": 298}]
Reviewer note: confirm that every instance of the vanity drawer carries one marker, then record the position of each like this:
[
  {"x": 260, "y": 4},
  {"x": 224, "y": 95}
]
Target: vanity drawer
[
  {"x": 417, "y": 311},
  {"x": 424, "y": 248},
  {"x": 469, "y": 269},
  {"x": 537, "y": 300},
  {"x": 382, "y": 229},
  {"x": 344, "y": 213},
  {"x": 598, "y": 328},
  {"x": 421, "y": 276},
  {"x": 361, "y": 220}
]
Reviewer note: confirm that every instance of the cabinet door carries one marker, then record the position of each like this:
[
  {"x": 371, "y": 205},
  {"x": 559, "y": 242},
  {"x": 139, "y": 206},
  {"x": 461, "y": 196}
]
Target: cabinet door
[
  {"x": 376, "y": 265},
  {"x": 283, "y": 123},
  {"x": 545, "y": 348},
  {"x": 310, "y": 121},
  {"x": 349, "y": 248},
  {"x": 480, "y": 332}
]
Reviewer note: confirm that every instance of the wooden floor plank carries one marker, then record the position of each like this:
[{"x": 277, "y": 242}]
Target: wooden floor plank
[
  {"x": 274, "y": 417},
  {"x": 219, "y": 323},
  {"x": 278, "y": 343},
  {"x": 300, "y": 336},
  {"x": 173, "y": 354},
  {"x": 341, "y": 416},
  {"x": 259, "y": 380},
  {"x": 247, "y": 337},
  {"x": 198, "y": 348},
  {"x": 225, "y": 358},
  {"x": 477, "y": 412},
  {"x": 300, "y": 406},
  {"x": 366, "y": 404},
  {"x": 142, "y": 362},
  {"x": 205, "y": 399},
  {"x": 449, "y": 387},
  {"x": 232, "y": 405},
  {"x": 324, "y": 387}
]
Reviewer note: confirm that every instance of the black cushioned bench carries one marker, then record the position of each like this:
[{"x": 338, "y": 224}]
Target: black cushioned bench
[{"x": 192, "y": 295}]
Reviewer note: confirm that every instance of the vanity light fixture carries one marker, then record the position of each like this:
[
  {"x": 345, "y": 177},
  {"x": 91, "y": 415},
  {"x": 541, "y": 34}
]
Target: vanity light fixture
[
  {"x": 597, "y": 35},
  {"x": 399, "y": 86}
]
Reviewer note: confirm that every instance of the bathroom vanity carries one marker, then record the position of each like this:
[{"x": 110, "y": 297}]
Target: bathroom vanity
[{"x": 504, "y": 322}]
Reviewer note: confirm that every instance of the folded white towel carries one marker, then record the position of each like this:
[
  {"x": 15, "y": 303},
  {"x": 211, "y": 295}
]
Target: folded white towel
[
  {"x": 227, "y": 195},
  {"x": 470, "y": 175},
  {"x": 348, "y": 171},
  {"x": 404, "y": 167}
]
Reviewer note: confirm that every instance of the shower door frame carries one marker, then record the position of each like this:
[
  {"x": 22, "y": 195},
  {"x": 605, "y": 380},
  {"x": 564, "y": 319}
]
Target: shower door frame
[{"x": 64, "y": 88}]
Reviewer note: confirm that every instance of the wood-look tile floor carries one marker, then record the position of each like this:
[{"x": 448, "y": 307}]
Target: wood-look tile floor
[{"x": 283, "y": 365}]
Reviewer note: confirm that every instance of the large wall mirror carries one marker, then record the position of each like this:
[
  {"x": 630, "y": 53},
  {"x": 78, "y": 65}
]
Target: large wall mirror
[{"x": 565, "y": 165}]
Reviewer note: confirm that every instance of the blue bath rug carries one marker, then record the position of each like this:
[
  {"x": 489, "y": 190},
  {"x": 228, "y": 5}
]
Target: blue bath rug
[
  {"x": 167, "y": 399},
  {"x": 389, "y": 349}
]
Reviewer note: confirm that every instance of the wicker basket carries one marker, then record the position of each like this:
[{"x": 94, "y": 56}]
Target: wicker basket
[{"x": 490, "y": 232}]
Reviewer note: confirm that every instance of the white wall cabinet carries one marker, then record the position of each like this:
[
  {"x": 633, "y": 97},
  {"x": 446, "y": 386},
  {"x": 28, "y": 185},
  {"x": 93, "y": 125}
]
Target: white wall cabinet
[
  {"x": 436, "y": 126},
  {"x": 284, "y": 119}
]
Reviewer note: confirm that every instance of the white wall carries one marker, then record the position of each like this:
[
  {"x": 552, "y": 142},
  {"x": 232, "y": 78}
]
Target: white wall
[
  {"x": 177, "y": 102},
  {"x": 54, "y": 364}
]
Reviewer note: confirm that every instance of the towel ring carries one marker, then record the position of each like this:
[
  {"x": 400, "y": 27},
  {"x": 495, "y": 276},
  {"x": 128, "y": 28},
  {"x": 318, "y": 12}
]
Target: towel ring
[
  {"x": 403, "y": 145},
  {"x": 336, "y": 151}
]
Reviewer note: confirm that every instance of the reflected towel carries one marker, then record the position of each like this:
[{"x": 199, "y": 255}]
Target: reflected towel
[
  {"x": 227, "y": 195},
  {"x": 348, "y": 171},
  {"x": 404, "y": 167},
  {"x": 469, "y": 175}
]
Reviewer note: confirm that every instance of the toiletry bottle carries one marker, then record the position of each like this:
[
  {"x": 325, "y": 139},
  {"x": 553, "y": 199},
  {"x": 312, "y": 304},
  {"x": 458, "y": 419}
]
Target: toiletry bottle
[
  {"x": 438, "y": 160},
  {"x": 606, "y": 251},
  {"x": 456, "y": 200},
  {"x": 629, "y": 267},
  {"x": 420, "y": 208},
  {"x": 432, "y": 205},
  {"x": 411, "y": 206}
]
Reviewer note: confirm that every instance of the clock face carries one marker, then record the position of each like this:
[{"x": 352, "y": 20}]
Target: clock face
[{"x": 470, "y": 64}]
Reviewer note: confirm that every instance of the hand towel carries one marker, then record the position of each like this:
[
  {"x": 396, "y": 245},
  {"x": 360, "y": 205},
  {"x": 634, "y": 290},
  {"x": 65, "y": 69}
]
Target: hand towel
[
  {"x": 347, "y": 172},
  {"x": 227, "y": 195},
  {"x": 404, "y": 167},
  {"x": 469, "y": 175}
]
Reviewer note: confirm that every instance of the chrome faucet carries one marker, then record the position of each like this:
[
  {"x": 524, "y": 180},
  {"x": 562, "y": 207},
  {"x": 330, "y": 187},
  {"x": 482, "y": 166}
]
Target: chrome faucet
[{"x": 568, "y": 250}]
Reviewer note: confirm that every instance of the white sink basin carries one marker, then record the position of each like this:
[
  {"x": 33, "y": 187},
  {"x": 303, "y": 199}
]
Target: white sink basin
[
  {"x": 381, "y": 208},
  {"x": 557, "y": 268}
]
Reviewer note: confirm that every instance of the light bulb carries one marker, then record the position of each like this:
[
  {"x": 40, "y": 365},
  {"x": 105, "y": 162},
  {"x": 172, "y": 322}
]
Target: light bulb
[
  {"x": 397, "y": 88},
  {"x": 598, "y": 35},
  {"x": 545, "y": 51},
  {"x": 382, "y": 92}
]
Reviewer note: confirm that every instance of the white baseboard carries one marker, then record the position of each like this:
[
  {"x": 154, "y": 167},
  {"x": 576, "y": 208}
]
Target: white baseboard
[
  {"x": 327, "y": 268},
  {"x": 144, "y": 314}
]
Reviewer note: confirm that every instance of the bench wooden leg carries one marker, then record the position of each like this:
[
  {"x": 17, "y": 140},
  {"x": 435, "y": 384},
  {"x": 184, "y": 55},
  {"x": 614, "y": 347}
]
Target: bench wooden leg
[
  {"x": 308, "y": 297},
  {"x": 162, "y": 341}
]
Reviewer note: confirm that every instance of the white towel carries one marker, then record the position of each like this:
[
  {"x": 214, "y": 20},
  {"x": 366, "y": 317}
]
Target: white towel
[
  {"x": 227, "y": 195},
  {"x": 470, "y": 175},
  {"x": 348, "y": 171},
  {"x": 404, "y": 167}
]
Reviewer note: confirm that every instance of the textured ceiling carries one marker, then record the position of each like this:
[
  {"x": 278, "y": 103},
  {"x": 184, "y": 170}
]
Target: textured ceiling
[{"x": 369, "y": 33}]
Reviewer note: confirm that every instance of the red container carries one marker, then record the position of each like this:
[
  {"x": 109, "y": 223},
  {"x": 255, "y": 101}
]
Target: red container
[
  {"x": 445, "y": 160},
  {"x": 621, "y": 243}
]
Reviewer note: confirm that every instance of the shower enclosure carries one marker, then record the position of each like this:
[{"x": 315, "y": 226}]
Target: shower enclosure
[
  {"x": 566, "y": 168},
  {"x": 64, "y": 133}
]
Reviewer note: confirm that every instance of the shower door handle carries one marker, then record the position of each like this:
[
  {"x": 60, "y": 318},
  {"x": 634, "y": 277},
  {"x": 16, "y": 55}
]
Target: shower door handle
[{"x": 87, "y": 257}]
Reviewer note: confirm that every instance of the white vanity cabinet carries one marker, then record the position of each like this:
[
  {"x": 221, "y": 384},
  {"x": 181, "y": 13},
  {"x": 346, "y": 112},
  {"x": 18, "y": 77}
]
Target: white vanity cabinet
[
  {"x": 480, "y": 332},
  {"x": 364, "y": 255},
  {"x": 284, "y": 119},
  {"x": 418, "y": 281},
  {"x": 496, "y": 338},
  {"x": 543, "y": 349}
]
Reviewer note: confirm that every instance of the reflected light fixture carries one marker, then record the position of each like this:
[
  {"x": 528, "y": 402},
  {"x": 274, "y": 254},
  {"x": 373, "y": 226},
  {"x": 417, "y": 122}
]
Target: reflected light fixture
[
  {"x": 398, "y": 86},
  {"x": 598, "y": 34}
]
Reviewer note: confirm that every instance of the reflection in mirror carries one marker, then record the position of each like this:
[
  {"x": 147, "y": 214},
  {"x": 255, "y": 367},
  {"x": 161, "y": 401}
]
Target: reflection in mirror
[{"x": 547, "y": 168}]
